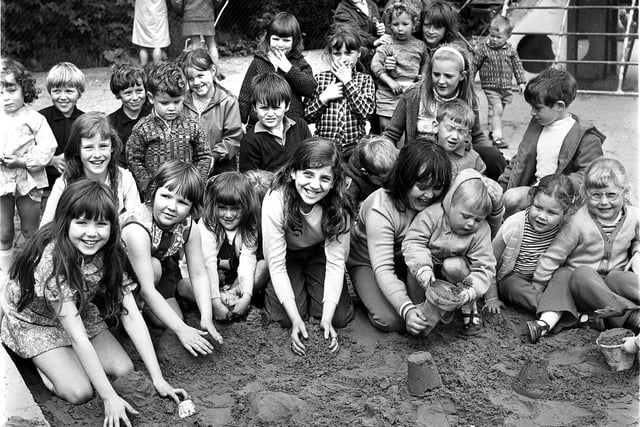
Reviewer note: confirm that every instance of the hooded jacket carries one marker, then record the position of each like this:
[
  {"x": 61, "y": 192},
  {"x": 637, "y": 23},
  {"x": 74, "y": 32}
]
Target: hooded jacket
[
  {"x": 221, "y": 123},
  {"x": 580, "y": 147},
  {"x": 430, "y": 237}
]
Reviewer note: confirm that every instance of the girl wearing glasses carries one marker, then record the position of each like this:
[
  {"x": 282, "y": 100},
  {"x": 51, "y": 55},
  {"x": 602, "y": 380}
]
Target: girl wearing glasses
[{"x": 594, "y": 261}]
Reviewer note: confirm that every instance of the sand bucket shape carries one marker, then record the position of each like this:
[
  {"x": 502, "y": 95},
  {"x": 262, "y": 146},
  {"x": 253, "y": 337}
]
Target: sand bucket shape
[{"x": 616, "y": 357}]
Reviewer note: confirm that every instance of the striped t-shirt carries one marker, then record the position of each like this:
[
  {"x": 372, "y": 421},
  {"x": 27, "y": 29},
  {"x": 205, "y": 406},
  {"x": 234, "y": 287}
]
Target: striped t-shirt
[{"x": 533, "y": 245}]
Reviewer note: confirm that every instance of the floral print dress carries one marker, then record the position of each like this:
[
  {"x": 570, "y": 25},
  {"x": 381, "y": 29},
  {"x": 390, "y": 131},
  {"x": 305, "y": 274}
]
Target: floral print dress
[{"x": 37, "y": 329}]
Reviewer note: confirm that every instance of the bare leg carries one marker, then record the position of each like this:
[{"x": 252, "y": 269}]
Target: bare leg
[
  {"x": 157, "y": 55},
  {"x": 144, "y": 56},
  {"x": 7, "y": 231},
  {"x": 64, "y": 375},
  {"x": 29, "y": 212}
]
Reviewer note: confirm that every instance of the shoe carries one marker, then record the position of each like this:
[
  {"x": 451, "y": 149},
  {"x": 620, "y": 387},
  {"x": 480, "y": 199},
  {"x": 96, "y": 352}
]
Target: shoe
[
  {"x": 536, "y": 330},
  {"x": 472, "y": 322},
  {"x": 592, "y": 320},
  {"x": 500, "y": 143}
]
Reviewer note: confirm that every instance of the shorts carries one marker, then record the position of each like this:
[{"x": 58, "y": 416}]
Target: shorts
[
  {"x": 495, "y": 96},
  {"x": 170, "y": 277}
]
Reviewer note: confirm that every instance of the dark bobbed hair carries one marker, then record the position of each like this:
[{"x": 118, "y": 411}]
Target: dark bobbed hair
[
  {"x": 283, "y": 24},
  {"x": 87, "y": 126},
  {"x": 232, "y": 189},
  {"x": 313, "y": 153},
  {"x": 418, "y": 162},
  {"x": 270, "y": 89},
  {"x": 551, "y": 86},
  {"x": 23, "y": 77},
  {"x": 124, "y": 76},
  {"x": 166, "y": 77},
  {"x": 442, "y": 14},
  {"x": 180, "y": 177},
  {"x": 82, "y": 199}
]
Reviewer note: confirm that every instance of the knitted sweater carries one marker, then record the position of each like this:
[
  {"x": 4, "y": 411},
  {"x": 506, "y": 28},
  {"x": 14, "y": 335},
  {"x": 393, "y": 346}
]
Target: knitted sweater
[
  {"x": 580, "y": 147},
  {"x": 300, "y": 78},
  {"x": 581, "y": 242},
  {"x": 430, "y": 236},
  {"x": 221, "y": 122},
  {"x": 497, "y": 66},
  {"x": 154, "y": 142}
]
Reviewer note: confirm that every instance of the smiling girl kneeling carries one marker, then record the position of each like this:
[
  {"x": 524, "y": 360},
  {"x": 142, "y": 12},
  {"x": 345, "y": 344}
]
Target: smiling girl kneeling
[{"x": 305, "y": 224}]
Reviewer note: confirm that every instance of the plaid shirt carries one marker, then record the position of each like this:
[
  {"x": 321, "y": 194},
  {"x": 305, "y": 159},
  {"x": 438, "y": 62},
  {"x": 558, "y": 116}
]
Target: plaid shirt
[
  {"x": 342, "y": 120},
  {"x": 154, "y": 142},
  {"x": 496, "y": 66}
]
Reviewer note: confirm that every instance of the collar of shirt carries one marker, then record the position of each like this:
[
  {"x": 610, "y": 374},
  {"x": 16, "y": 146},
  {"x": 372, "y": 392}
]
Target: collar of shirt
[
  {"x": 275, "y": 132},
  {"x": 56, "y": 115}
]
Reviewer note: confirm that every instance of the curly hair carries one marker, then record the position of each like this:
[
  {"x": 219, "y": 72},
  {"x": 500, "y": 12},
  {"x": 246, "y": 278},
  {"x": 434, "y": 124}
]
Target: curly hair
[
  {"x": 82, "y": 199},
  {"x": 23, "y": 78},
  {"x": 166, "y": 77},
  {"x": 397, "y": 8},
  {"x": 313, "y": 153},
  {"x": 89, "y": 125}
]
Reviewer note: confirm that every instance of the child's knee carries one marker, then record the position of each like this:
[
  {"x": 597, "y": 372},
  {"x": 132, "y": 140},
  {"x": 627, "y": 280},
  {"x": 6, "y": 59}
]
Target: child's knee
[
  {"x": 343, "y": 317},
  {"x": 122, "y": 368},
  {"x": 78, "y": 393},
  {"x": 455, "y": 269},
  {"x": 387, "y": 323}
]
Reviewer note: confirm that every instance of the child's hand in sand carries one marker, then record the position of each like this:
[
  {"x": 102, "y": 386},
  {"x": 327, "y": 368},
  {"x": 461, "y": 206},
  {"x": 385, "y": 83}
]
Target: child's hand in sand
[
  {"x": 115, "y": 409},
  {"x": 220, "y": 311},
  {"x": 207, "y": 325},
  {"x": 242, "y": 305},
  {"x": 466, "y": 296},
  {"x": 493, "y": 306},
  {"x": 415, "y": 321},
  {"x": 165, "y": 389},
  {"x": 331, "y": 335},
  {"x": 630, "y": 345},
  {"x": 194, "y": 341},
  {"x": 298, "y": 329}
]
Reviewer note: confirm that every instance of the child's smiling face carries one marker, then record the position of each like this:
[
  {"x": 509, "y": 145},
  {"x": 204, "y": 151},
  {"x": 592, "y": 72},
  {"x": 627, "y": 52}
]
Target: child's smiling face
[
  {"x": 432, "y": 35},
  {"x": 12, "y": 95},
  {"x": 281, "y": 43},
  {"x": 95, "y": 155},
  {"x": 133, "y": 98},
  {"x": 88, "y": 236},
  {"x": 446, "y": 75},
  {"x": 228, "y": 216},
  {"x": 605, "y": 203},
  {"x": 201, "y": 82},
  {"x": 313, "y": 185},
  {"x": 65, "y": 98},
  {"x": 545, "y": 212},
  {"x": 169, "y": 207}
]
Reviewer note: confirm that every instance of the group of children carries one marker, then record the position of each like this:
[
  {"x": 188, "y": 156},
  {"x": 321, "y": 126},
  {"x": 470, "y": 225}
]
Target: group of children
[{"x": 191, "y": 196}]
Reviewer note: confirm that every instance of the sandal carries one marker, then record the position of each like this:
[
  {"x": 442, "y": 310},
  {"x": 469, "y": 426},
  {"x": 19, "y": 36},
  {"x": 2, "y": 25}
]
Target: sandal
[
  {"x": 472, "y": 322},
  {"x": 500, "y": 143},
  {"x": 536, "y": 330},
  {"x": 592, "y": 320}
]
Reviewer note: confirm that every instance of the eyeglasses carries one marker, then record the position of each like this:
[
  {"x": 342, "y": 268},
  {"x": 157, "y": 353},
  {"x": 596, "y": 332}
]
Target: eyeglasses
[{"x": 598, "y": 197}]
